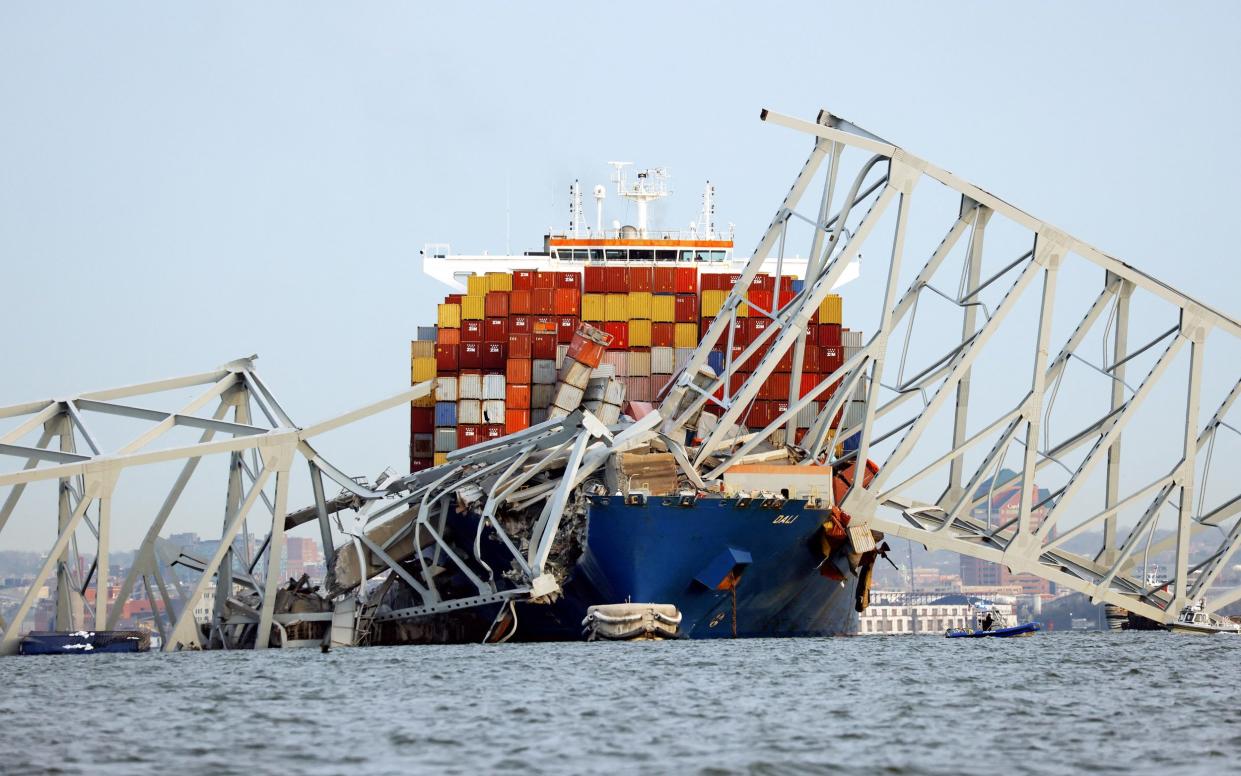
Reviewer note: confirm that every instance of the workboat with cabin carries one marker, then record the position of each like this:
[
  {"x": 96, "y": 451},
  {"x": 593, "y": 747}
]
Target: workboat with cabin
[
  {"x": 1195, "y": 620},
  {"x": 621, "y": 310}
]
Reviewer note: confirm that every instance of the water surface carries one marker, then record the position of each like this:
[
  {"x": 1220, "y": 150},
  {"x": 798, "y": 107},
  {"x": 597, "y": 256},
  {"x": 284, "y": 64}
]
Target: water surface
[{"x": 1054, "y": 703}]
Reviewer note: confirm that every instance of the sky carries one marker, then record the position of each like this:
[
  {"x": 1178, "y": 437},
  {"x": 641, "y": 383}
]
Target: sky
[{"x": 184, "y": 184}]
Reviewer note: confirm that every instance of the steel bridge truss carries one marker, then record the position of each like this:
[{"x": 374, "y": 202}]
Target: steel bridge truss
[
  {"x": 262, "y": 445},
  {"x": 938, "y": 465}
]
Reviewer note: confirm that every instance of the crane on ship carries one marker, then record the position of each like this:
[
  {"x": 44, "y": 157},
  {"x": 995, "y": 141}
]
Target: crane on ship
[{"x": 987, "y": 356}]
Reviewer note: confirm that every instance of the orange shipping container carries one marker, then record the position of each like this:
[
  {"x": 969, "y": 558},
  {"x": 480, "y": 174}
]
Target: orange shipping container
[
  {"x": 518, "y": 371},
  {"x": 450, "y": 336},
  {"x": 517, "y": 397},
  {"x": 496, "y": 305},
  {"x": 567, "y": 301},
  {"x": 516, "y": 420},
  {"x": 520, "y": 301}
]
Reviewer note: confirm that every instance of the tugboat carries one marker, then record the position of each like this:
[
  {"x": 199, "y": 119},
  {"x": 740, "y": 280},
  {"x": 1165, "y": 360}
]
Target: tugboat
[{"x": 1196, "y": 620}]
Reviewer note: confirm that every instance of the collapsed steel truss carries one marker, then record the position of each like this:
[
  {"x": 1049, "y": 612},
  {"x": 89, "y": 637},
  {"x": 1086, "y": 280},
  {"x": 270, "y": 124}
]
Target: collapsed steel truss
[
  {"x": 891, "y": 175},
  {"x": 549, "y": 463}
]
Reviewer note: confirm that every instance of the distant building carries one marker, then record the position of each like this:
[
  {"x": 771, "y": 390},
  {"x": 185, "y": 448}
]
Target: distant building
[
  {"x": 302, "y": 556},
  {"x": 922, "y": 614},
  {"x": 1002, "y": 508}
]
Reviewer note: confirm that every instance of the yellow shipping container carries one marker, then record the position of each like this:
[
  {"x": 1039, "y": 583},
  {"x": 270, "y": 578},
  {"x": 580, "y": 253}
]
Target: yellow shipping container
[
  {"x": 593, "y": 307},
  {"x": 421, "y": 349},
  {"x": 423, "y": 369},
  {"x": 685, "y": 335},
  {"x": 499, "y": 281},
  {"x": 639, "y": 333},
  {"x": 425, "y": 401},
  {"x": 616, "y": 307},
  {"x": 449, "y": 316},
  {"x": 663, "y": 308},
  {"x": 712, "y": 301},
  {"x": 441, "y": 459},
  {"x": 831, "y": 309},
  {"x": 476, "y": 285},
  {"x": 641, "y": 304},
  {"x": 472, "y": 307}
]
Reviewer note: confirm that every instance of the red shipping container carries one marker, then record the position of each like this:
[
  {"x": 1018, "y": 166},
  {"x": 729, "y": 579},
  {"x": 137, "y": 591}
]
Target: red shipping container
[
  {"x": 494, "y": 355},
  {"x": 763, "y": 281},
  {"x": 565, "y": 328},
  {"x": 686, "y": 280},
  {"x": 544, "y": 280},
  {"x": 421, "y": 420},
  {"x": 596, "y": 282},
  {"x": 567, "y": 301},
  {"x": 665, "y": 280},
  {"x": 761, "y": 298},
  {"x": 447, "y": 359},
  {"x": 543, "y": 346},
  {"x": 495, "y": 330},
  {"x": 518, "y": 371},
  {"x": 728, "y": 280},
  {"x": 831, "y": 359},
  {"x": 544, "y": 301},
  {"x": 495, "y": 304},
  {"x": 786, "y": 283},
  {"x": 471, "y": 356},
  {"x": 663, "y": 335},
  {"x": 569, "y": 280},
  {"x": 453, "y": 298},
  {"x": 620, "y": 334},
  {"x": 517, "y": 397},
  {"x": 776, "y": 386},
  {"x": 516, "y": 420},
  {"x": 586, "y": 351},
  {"x": 755, "y": 327},
  {"x": 448, "y": 337},
  {"x": 494, "y": 430},
  {"x": 741, "y": 334},
  {"x": 523, "y": 279},
  {"x": 706, "y": 324},
  {"x": 828, "y": 335},
  {"x": 786, "y": 296},
  {"x": 641, "y": 278},
  {"x": 520, "y": 324},
  {"x": 545, "y": 324},
  {"x": 420, "y": 464},
  {"x": 785, "y": 364},
  {"x": 521, "y": 302},
  {"x": 711, "y": 281},
  {"x": 616, "y": 280},
  {"x": 686, "y": 308},
  {"x": 808, "y": 381},
  {"x": 469, "y": 435},
  {"x": 811, "y": 357},
  {"x": 471, "y": 331},
  {"x": 760, "y": 414},
  {"x": 519, "y": 346}
]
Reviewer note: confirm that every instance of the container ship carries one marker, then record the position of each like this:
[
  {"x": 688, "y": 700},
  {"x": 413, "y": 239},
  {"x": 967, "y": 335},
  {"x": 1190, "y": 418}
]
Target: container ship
[{"x": 623, "y": 310}]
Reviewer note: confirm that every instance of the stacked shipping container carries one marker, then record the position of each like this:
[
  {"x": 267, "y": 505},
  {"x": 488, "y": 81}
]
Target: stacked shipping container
[{"x": 498, "y": 349}]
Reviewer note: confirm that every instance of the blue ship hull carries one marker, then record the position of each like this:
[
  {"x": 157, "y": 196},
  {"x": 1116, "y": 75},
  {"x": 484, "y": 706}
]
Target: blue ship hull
[
  {"x": 83, "y": 642},
  {"x": 690, "y": 556}
]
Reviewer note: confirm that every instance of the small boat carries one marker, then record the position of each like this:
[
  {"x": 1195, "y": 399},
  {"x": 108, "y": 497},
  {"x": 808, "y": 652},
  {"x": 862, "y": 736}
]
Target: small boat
[
  {"x": 1195, "y": 619},
  {"x": 83, "y": 642},
  {"x": 1024, "y": 629}
]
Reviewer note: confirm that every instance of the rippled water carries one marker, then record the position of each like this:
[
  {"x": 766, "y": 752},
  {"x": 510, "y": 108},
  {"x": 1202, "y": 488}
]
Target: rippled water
[{"x": 1113, "y": 703}]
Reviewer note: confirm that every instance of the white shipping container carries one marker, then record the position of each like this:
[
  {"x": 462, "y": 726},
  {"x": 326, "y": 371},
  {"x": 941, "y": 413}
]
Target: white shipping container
[
  {"x": 663, "y": 361},
  {"x": 614, "y": 393},
  {"x": 469, "y": 411},
  {"x": 681, "y": 357},
  {"x": 806, "y": 416},
  {"x": 639, "y": 363},
  {"x": 562, "y": 351},
  {"x": 604, "y": 370},
  {"x": 445, "y": 389},
  {"x": 445, "y": 440},
  {"x": 544, "y": 371},
  {"x": 575, "y": 374},
  {"x": 594, "y": 389},
  {"x": 859, "y": 391},
  {"x": 778, "y": 436},
  {"x": 618, "y": 360},
  {"x": 493, "y": 387},
  {"x": 493, "y": 411},
  {"x": 469, "y": 386},
  {"x": 567, "y": 396},
  {"x": 609, "y": 414},
  {"x": 851, "y": 339},
  {"x": 557, "y": 412},
  {"x": 855, "y": 413},
  {"x": 541, "y": 396}
]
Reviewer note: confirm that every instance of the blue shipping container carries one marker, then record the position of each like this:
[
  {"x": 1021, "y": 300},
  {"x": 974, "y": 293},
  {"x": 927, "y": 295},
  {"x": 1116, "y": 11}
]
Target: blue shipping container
[{"x": 445, "y": 413}]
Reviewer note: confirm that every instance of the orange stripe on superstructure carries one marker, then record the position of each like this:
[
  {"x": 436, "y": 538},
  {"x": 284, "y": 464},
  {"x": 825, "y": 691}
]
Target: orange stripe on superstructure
[{"x": 567, "y": 242}]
